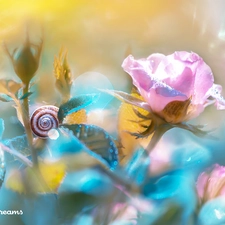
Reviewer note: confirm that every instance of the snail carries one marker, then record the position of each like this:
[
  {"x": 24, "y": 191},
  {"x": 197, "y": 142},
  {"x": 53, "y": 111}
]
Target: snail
[{"x": 43, "y": 120}]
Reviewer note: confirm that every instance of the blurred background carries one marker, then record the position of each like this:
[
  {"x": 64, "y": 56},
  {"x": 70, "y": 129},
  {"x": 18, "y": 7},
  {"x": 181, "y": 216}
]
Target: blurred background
[{"x": 99, "y": 34}]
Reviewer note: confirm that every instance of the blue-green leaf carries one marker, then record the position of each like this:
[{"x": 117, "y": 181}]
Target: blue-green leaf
[
  {"x": 138, "y": 166},
  {"x": 89, "y": 181},
  {"x": 5, "y": 98},
  {"x": 75, "y": 104},
  {"x": 97, "y": 140},
  {"x": 26, "y": 95},
  {"x": 213, "y": 212},
  {"x": 70, "y": 148}
]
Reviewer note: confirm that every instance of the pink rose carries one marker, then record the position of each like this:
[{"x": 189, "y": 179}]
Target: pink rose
[
  {"x": 211, "y": 185},
  {"x": 182, "y": 79}
]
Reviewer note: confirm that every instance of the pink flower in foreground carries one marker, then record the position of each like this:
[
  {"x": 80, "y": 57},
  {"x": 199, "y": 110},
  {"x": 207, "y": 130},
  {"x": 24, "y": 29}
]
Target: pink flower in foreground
[
  {"x": 211, "y": 185},
  {"x": 177, "y": 86},
  {"x": 128, "y": 212}
]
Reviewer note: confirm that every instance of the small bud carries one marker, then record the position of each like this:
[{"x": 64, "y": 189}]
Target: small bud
[
  {"x": 25, "y": 61},
  {"x": 211, "y": 183},
  {"x": 62, "y": 75}
]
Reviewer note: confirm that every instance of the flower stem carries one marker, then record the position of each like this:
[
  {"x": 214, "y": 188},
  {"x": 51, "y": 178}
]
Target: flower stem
[
  {"x": 158, "y": 133},
  {"x": 25, "y": 115}
]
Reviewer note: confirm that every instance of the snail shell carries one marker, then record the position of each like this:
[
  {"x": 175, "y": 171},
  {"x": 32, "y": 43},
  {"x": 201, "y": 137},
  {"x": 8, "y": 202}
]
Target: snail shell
[{"x": 44, "y": 119}]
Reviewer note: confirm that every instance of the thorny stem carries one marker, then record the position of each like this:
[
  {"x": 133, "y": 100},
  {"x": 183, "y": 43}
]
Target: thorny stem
[
  {"x": 25, "y": 115},
  {"x": 24, "y": 109},
  {"x": 17, "y": 154}
]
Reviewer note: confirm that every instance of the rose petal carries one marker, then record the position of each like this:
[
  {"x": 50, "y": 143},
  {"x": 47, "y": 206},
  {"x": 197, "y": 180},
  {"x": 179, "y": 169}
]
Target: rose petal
[
  {"x": 215, "y": 92},
  {"x": 189, "y": 74},
  {"x": 137, "y": 70},
  {"x": 160, "y": 95},
  {"x": 150, "y": 87},
  {"x": 183, "y": 83},
  {"x": 154, "y": 60},
  {"x": 218, "y": 171},
  {"x": 202, "y": 74},
  {"x": 201, "y": 184},
  {"x": 203, "y": 82},
  {"x": 186, "y": 56}
]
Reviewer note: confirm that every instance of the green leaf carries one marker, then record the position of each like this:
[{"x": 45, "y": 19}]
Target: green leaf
[
  {"x": 72, "y": 204},
  {"x": 26, "y": 95},
  {"x": 75, "y": 104},
  {"x": 171, "y": 216},
  {"x": 5, "y": 98}
]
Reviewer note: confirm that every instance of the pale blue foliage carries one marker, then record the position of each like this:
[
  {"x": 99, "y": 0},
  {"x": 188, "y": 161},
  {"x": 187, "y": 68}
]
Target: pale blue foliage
[
  {"x": 138, "y": 167},
  {"x": 10, "y": 200},
  {"x": 191, "y": 156},
  {"x": 2, "y": 127},
  {"x": 89, "y": 181},
  {"x": 68, "y": 144},
  {"x": 84, "y": 219},
  {"x": 65, "y": 144},
  {"x": 177, "y": 187},
  {"x": 40, "y": 210},
  {"x": 121, "y": 222},
  {"x": 213, "y": 212}
]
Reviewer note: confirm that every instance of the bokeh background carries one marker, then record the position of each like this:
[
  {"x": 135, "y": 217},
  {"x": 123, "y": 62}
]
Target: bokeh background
[{"x": 99, "y": 34}]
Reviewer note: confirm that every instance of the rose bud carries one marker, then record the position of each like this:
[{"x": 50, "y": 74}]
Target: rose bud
[{"x": 25, "y": 61}]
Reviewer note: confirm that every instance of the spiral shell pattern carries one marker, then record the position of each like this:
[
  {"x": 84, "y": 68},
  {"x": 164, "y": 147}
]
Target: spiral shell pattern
[{"x": 44, "y": 119}]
